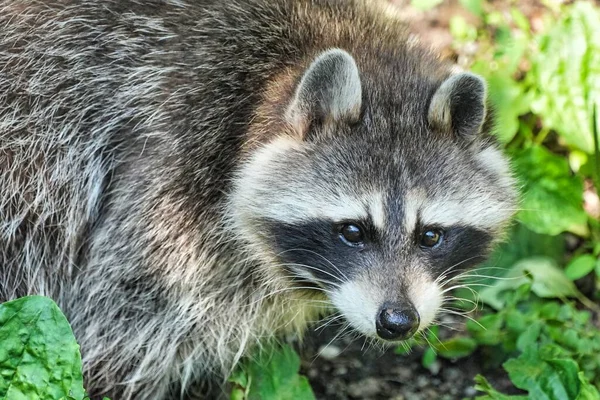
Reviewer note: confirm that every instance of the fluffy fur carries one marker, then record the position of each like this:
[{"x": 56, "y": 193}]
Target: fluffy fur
[{"x": 170, "y": 177}]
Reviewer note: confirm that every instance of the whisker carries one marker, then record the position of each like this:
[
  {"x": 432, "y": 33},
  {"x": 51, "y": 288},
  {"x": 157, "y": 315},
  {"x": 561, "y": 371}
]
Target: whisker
[
  {"x": 443, "y": 274},
  {"x": 328, "y": 321},
  {"x": 315, "y": 269},
  {"x": 463, "y": 315},
  {"x": 319, "y": 255},
  {"x": 431, "y": 346}
]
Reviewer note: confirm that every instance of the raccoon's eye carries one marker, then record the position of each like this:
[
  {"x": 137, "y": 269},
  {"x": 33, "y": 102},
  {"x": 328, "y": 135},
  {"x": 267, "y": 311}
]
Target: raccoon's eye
[
  {"x": 431, "y": 237},
  {"x": 351, "y": 234}
]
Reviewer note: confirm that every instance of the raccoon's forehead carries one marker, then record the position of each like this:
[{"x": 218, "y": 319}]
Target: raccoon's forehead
[{"x": 394, "y": 189}]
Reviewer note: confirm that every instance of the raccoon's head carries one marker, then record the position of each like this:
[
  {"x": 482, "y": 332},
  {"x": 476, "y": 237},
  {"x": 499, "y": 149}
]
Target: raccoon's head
[{"x": 377, "y": 191}]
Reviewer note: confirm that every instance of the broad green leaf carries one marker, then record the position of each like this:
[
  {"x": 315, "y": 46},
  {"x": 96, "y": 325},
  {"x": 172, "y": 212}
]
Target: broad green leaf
[
  {"x": 457, "y": 347},
  {"x": 547, "y": 280},
  {"x": 522, "y": 243},
  {"x": 273, "y": 375},
  {"x": 580, "y": 266},
  {"x": 554, "y": 379},
  {"x": 39, "y": 357},
  {"x": 552, "y": 199},
  {"x": 566, "y": 75}
]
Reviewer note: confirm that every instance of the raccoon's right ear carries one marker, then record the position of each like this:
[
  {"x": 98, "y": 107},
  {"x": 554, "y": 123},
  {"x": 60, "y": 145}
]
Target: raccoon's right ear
[
  {"x": 330, "y": 90},
  {"x": 459, "y": 105}
]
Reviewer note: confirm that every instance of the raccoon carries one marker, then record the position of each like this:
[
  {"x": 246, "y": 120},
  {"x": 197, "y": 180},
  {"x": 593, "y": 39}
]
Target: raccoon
[{"x": 189, "y": 178}]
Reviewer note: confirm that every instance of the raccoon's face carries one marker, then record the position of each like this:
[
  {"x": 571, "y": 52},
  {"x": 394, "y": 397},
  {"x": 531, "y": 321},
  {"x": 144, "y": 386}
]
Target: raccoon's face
[{"x": 377, "y": 203}]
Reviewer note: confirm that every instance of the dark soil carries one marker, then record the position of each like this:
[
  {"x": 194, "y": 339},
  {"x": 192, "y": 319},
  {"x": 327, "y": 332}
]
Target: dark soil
[{"x": 346, "y": 368}]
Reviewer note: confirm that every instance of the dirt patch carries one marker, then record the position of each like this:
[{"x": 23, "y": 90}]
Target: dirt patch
[{"x": 347, "y": 368}]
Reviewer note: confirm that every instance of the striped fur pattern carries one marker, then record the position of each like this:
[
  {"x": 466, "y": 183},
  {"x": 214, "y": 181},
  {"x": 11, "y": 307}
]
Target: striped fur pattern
[{"x": 165, "y": 177}]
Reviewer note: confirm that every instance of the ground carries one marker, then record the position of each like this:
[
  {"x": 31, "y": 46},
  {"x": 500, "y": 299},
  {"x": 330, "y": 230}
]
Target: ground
[{"x": 349, "y": 369}]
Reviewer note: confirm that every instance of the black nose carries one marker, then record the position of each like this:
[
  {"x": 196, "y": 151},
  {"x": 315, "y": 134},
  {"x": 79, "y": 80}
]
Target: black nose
[{"x": 397, "y": 323}]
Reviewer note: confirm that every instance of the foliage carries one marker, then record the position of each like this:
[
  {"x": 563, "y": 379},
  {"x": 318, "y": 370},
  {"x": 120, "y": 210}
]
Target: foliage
[
  {"x": 39, "y": 357},
  {"x": 565, "y": 75},
  {"x": 272, "y": 375},
  {"x": 552, "y": 201},
  {"x": 551, "y": 346},
  {"x": 544, "y": 87}
]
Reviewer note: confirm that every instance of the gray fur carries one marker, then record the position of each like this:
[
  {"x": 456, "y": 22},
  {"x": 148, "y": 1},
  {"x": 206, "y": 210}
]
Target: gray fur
[
  {"x": 330, "y": 90},
  {"x": 459, "y": 105},
  {"x": 146, "y": 163}
]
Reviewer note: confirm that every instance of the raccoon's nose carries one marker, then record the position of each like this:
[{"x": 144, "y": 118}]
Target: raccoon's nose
[{"x": 397, "y": 323}]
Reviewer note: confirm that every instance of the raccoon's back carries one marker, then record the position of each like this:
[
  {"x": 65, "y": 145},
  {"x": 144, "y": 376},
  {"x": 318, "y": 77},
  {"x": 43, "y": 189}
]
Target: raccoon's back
[
  {"x": 80, "y": 94},
  {"x": 105, "y": 101}
]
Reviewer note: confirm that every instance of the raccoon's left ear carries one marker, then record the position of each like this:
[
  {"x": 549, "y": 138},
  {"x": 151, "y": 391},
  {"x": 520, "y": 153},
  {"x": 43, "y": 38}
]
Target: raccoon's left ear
[
  {"x": 330, "y": 90},
  {"x": 459, "y": 105}
]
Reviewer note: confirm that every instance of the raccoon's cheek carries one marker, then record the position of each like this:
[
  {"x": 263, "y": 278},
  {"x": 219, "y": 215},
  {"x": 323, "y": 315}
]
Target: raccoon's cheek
[
  {"x": 427, "y": 298},
  {"x": 358, "y": 303}
]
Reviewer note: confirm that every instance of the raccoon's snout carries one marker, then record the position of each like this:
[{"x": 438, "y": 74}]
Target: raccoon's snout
[{"x": 397, "y": 323}]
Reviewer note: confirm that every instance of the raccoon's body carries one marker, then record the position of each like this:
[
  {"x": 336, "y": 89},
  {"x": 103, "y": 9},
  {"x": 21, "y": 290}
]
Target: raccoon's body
[{"x": 186, "y": 178}]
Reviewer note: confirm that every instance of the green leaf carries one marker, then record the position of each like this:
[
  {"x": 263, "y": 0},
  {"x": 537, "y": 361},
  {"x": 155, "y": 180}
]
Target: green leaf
[
  {"x": 529, "y": 337},
  {"x": 487, "y": 330},
  {"x": 566, "y": 75},
  {"x": 522, "y": 243},
  {"x": 509, "y": 102},
  {"x": 273, "y": 375},
  {"x": 39, "y": 357},
  {"x": 588, "y": 391},
  {"x": 482, "y": 385},
  {"x": 554, "y": 379},
  {"x": 580, "y": 266},
  {"x": 457, "y": 347},
  {"x": 516, "y": 321},
  {"x": 550, "y": 311},
  {"x": 429, "y": 358},
  {"x": 547, "y": 280},
  {"x": 552, "y": 199}
]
